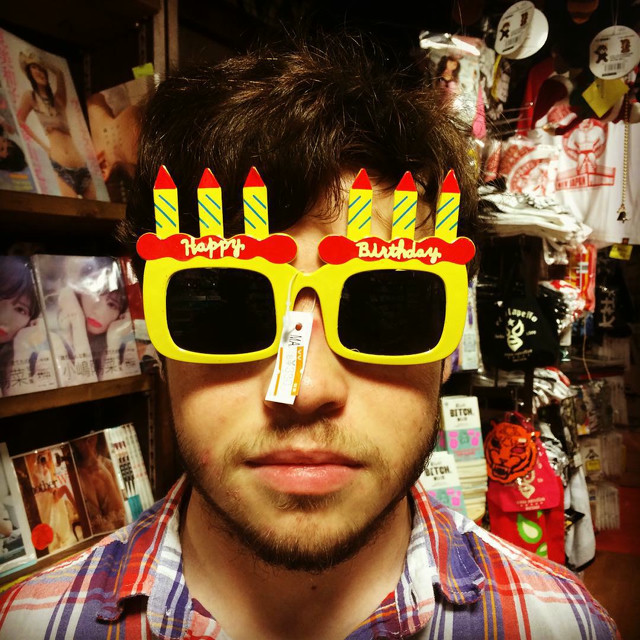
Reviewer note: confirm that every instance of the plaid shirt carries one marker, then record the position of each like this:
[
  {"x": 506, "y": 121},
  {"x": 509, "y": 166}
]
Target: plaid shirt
[{"x": 459, "y": 581}]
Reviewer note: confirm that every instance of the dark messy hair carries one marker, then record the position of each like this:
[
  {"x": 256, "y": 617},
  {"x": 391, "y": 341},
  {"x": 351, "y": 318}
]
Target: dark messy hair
[{"x": 302, "y": 113}]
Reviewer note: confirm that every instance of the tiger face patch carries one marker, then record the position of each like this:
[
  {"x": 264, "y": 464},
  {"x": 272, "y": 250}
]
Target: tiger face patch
[{"x": 510, "y": 452}]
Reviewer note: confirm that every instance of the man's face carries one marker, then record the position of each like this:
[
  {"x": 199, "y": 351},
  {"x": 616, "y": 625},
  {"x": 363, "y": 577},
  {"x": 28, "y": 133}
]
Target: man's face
[{"x": 305, "y": 486}]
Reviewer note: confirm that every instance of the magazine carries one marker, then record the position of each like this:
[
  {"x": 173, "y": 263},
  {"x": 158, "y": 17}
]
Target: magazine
[
  {"x": 86, "y": 311},
  {"x": 147, "y": 354},
  {"x": 99, "y": 483},
  {"x": 130, "y": 469},
  {"x": 16, "y": 548},
  {"x": 52, "y": 498},
  {"x": 114, "y": 121},
  {"x": 15, "y": 174},
  {"x": 26, "y": 363},
  {"x": 39, "y": 88}
]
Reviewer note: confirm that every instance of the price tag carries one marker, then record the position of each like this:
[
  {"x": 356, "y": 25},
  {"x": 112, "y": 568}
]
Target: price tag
[
  {"x": 535, "y": 38},
  {"x": 614, "y": 52},
  {"x": 621, "y": 251},
  {"x": 143, "y": 70},
  {"x": 292, "y": 356},
  {"x": 601, "y": 95},
  {"x": 513, "y": 27}
]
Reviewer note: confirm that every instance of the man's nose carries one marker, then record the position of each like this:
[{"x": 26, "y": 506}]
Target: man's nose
[{"x": 324, "y": 385}]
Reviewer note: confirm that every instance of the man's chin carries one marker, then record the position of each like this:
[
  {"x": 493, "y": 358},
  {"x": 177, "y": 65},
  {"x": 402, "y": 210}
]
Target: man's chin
[{"x": 304, "y": 535}]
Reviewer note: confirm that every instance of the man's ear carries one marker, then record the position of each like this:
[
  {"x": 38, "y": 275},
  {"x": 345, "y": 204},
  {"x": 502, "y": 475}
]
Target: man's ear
[{"x": 446, "y": 369}]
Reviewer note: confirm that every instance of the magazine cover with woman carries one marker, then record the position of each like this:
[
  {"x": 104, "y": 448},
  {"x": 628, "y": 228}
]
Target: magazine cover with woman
[
  {"x": 99, "y": 483},
  {"x": 15, "y": 174},
  {"x": 26, "y": 363},
  {"x": 86, "y": 311},
  {"x": 16, "y": 549},
  {"x": 114, "y": 120},
  {"x": 39, "y": 88},
  {"x": 51, "y": 495}
]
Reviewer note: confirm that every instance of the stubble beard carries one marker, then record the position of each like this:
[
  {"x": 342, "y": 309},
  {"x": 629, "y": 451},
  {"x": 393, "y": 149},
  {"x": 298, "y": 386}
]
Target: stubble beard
[{"x": 298, "y": 552}]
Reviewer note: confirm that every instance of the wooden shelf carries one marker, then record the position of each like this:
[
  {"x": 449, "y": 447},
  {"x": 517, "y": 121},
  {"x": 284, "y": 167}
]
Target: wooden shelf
[
  {"x": 30, "y": 402},
  {"x": 32, "y": 211}
]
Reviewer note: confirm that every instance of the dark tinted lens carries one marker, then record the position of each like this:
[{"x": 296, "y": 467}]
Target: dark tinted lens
[
  {"x": 391, "y": 313},
  {"x": 221, "y": 310}
]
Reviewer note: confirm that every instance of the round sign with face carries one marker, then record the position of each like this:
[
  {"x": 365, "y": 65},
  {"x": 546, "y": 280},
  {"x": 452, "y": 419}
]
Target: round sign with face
[
  {"x": 535, "y": 38},
  {"x": 513, "y": 27},
  {"x": 614, "y": 52}
]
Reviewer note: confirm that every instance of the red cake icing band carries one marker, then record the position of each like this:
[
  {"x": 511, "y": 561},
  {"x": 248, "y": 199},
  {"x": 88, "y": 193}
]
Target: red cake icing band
[
  {"x": 339, "y": 249},
  {"x": 277, "y": 249}
]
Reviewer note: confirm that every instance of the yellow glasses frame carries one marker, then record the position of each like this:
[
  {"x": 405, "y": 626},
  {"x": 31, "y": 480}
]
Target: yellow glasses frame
[{"x": 287, "y": 281}]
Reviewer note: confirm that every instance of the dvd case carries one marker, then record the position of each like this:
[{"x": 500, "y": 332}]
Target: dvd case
[
  {"x": 58, "y": 148},
  {"x": 114, "y": 120},
  {"x": 16, "y": 548},
  {"x": 26, "y": 363},
  {"x": 147, "y": 354},
  {"x": 15, "y": 173},
  {"x": 130, "y": 469},
  {"x": 86, "y": 311},
  {"x": 98, "y": 482},
  {"x": 52, "y": 498}
]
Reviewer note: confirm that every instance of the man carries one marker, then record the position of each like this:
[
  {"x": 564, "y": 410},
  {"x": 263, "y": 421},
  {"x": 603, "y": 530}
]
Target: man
[{"x": 300, "y": 517}]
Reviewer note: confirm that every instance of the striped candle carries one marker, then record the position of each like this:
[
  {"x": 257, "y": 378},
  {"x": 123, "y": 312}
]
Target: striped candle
[
  {"x": 256, "y": 212},
  {"x": 210, "y": 206},
  {"x": 447, "y": 209},
  {"x": 405, "y": 205},
  {"x": 165, "y": 204},
  {"x": 359, "y": 215}
]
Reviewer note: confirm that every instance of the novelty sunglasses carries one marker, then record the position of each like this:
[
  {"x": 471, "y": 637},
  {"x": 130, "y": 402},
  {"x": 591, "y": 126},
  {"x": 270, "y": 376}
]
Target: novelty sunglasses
[{"x": 215, "y": 300}]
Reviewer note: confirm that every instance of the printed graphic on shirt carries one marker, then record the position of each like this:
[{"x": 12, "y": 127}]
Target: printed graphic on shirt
[{"x": 584, "y": 145}]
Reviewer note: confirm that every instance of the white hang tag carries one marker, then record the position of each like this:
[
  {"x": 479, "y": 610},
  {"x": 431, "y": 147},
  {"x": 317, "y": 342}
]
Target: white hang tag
[
  {"x": 513, "y": 27},
  {"x": 614, "y": 52},
  {"x": 292, "y": 356}
]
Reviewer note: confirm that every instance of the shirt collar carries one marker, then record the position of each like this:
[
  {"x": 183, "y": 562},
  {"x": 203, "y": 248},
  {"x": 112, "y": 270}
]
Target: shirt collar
[{"x": 457, "y": 574}]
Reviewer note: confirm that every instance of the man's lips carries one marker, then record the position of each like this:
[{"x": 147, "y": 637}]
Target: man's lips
[{"x": 304, "y": 472}]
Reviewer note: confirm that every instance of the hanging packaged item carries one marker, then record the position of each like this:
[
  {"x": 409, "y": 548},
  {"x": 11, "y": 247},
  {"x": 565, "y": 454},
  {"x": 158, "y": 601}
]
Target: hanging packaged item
[
  {"x": 614, "y": 310},
  {"x": 525, "y": 496},
  {"x": 516, "y": 334},
  {"x": 582, "y": 272},
  {"x": 595, "y": 162}
]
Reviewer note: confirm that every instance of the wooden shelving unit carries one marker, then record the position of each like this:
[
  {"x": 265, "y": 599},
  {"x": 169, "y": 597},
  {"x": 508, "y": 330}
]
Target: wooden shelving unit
[
  {"x": 66, "y": 396},
  {"x": 21, "y": 212}
]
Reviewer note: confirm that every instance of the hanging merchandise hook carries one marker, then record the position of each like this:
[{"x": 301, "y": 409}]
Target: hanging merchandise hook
[{"x": 622, "y": 210}]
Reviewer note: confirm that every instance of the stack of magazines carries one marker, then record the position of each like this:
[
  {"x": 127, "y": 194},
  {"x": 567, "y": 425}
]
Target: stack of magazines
[
  {"x": 49, "y": 147},
  {"x": 67, "y": 320},
  {"x": 53, "y": 498}
]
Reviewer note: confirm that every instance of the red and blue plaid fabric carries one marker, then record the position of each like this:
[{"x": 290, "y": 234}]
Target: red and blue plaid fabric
[{"x": 459, "y": 581}]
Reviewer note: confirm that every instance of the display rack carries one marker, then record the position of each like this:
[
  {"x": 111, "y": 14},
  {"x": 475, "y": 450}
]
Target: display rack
[{"x": 102, "y": 42}]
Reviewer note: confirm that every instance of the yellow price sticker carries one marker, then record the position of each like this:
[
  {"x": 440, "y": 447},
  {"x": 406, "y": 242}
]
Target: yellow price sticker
[
  {"x": 143, "y": 70},
  {"x": 601, "y": 95},
  {"x": 621, "y": 251}
]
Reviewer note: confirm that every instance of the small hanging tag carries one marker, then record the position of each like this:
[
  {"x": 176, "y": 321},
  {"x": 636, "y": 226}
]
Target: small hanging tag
[
  {"x": 143, "y": 70},
  {"x": 292, "y": 356},
  {"x": 622, "y": 213},
  {"x": 621, "y": 251},
  {"x": 601, "y": 95}
]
